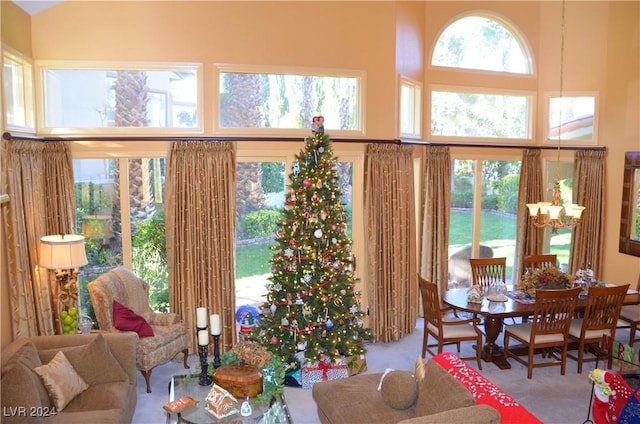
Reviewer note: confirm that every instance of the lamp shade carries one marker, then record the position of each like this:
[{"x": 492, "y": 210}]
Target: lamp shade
[{"x": 62, "y": 252}]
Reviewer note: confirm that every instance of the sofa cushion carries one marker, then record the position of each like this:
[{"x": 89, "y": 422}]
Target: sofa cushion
[
  {"x": 62, "y": 382},
  {"x": 399, "y": 389},
  {"x": 27, "y": 355},
  {"x": 440, "y": 391},
  {"x": 19, "y": 391},
  {"x": 84, "y": 359},
  {"x": 124, "y": 319},
  {"x": 355, "y": 400},
  {"x": 101, "y": 396}
]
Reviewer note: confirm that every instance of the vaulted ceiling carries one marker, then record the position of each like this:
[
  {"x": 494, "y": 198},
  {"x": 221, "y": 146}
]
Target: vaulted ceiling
[{"x": 34, "y": 6}]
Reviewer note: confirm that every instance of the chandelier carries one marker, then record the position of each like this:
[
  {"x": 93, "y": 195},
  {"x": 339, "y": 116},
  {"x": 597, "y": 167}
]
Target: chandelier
[{"x": 550, "y": 214}]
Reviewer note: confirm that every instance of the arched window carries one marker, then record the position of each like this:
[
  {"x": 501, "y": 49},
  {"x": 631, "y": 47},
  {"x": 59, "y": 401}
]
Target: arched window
[{"x": 480, "y": 42}]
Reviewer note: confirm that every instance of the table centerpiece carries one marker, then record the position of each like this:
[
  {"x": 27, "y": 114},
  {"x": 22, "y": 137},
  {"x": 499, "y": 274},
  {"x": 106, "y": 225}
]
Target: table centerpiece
[{"x": 543, "y": 278}]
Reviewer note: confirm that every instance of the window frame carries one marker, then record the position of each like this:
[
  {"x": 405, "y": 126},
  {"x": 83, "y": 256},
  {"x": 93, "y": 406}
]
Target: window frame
[
  {"x": 531, "y": 113},
  {"x": 27, "y": 91},
  {"x": 219, "y": 68},
  {"x": 41, "y": 66},
  {"x": 416, "y": 112}
]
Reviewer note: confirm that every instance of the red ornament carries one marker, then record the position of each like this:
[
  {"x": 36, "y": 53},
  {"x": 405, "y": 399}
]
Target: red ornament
[
  {"x": 274, "y": 340},
  {"x": 292, "y": 242},
  {"x": 306, "y": 182}
]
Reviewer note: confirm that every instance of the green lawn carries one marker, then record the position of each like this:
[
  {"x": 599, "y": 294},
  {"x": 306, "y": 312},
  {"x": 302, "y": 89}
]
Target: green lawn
[{"x": 498, "y": 232}]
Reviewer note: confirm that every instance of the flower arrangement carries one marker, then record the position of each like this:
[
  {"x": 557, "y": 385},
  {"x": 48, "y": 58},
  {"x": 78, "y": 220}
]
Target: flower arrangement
[{"x": 543, "y": 278}]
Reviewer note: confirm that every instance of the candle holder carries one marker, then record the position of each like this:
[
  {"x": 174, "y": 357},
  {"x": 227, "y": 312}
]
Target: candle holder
[
  {"x": 205, "y": 378},
  {"x": 216, "y": 351}
]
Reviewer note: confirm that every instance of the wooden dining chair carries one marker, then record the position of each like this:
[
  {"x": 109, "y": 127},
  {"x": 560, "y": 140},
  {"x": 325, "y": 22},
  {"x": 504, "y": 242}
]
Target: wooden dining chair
[
  {"x": 600, "y": 317},
  {"x": 532, "y": 262},
  {"x": 485, "y": 271},
  {"x": 630, "y": 318},
  {"x": 548, "y": 328},
  {"x": 445, "y": 331}
]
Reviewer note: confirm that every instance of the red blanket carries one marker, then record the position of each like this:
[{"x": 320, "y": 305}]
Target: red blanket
[{"x": 484, "y": 391}]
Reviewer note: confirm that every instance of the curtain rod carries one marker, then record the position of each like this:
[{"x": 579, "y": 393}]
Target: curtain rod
[{"x": 11, "y": 136}]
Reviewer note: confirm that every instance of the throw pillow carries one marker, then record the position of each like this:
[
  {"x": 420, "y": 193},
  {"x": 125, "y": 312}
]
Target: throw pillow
[
  {"x": 399, "y": 389},
  {"x": 62, "y": 382},
  {"x": 440, "y": 391},
  {"x": 93, "y": 361},
  {"x": 19, "y": 390},
  {"x": 124, "y": 319}
]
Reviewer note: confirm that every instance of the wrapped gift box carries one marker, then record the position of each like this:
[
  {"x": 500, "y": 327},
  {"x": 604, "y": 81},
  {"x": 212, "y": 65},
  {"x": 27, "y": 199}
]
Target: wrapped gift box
[
  {"x": 356, "y": 364},
  {"x": 323, "y": 370}
]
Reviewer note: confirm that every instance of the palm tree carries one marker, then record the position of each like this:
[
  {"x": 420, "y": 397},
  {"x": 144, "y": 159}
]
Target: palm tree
[{"x": 131, "y": 111}]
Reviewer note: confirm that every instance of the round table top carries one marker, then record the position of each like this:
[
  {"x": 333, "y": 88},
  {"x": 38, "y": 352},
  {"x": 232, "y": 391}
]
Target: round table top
[{"x": 457, "y": 299}]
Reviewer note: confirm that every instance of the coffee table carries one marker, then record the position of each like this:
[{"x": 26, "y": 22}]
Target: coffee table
[{"x": 276, "y": 412}]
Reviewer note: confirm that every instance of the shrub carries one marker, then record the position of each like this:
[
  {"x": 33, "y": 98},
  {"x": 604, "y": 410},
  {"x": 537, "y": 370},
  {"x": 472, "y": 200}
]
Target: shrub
[
  {"x": 261, "y": 223},
  {"x": 508, "y": 187}
]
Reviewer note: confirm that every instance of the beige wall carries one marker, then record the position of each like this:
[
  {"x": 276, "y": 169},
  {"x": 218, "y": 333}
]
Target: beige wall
[{"x": 386, "y": 39}]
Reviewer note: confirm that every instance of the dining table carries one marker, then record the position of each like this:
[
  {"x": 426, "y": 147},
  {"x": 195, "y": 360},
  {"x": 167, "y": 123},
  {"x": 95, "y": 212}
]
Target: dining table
[{"x": 514, "y": 305}]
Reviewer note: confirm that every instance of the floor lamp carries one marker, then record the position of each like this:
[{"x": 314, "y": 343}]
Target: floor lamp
[{"x": 65, "y": 254}]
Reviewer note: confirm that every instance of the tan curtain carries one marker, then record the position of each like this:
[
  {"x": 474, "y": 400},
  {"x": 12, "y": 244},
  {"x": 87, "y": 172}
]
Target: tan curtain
[
  {"x": 200, "y": 221},
  {"x": 588, "y": 190},
  {"x": 436, "y": 204},
  {"x": 39, "y": 180},
  {"x": 529, "y": 239},
  {"x": 391, "y": 236}
]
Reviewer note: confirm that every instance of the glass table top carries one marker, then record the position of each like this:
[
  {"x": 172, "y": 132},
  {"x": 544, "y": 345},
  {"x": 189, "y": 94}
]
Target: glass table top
[{"x": 182, "y": 385}]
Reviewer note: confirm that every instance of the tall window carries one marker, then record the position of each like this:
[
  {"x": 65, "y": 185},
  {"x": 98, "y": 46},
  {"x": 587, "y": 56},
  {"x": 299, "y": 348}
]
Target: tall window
[
  {"x": 261, "y": 191},
  {"x": 410, "y": 108},
  {"x": 18, "y": 91},
  {"x": 126, "y": 231},
  {"x": 484, "y": 199}
]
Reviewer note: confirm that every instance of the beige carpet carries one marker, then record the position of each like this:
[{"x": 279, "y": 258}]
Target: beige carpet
[{"x": 548, "y": 395}]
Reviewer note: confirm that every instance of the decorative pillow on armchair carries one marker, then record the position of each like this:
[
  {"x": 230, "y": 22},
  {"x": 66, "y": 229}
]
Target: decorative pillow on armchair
[{"x": 124, "y": 319}]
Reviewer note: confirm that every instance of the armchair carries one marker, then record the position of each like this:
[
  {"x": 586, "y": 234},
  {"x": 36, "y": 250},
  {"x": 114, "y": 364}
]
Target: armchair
[{"x": 170, "y": 334}]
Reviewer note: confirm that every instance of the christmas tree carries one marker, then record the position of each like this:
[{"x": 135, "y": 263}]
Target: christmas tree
[{"x": 312, "y": 308}]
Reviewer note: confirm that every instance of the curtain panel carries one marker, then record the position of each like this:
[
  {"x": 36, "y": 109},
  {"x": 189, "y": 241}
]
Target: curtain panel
[
  {"x": 38, "y": 176},
  {"x": 435, "y": 178},
  {"x": 529, "y": 239},
  {"x": 391, "y": 240},
  {"x": 588, "y": 190},
  {"x": 200, "y": 225}
]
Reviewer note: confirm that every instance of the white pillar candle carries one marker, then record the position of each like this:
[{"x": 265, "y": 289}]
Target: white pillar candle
[
  {"x": 203, "y": 338},
  {"x": 201, "y": 317},
  {"x": 215, "y": 324}
]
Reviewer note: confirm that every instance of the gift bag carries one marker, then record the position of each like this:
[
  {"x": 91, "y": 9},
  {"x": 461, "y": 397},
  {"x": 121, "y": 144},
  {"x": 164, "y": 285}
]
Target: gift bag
[{"x": 356, "y": 364}]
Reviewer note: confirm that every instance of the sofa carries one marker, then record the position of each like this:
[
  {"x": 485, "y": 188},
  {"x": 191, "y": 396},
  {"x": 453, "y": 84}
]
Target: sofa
[
  {"x": 445, "y": 389},
  {"x": 84, "y": 378}
]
